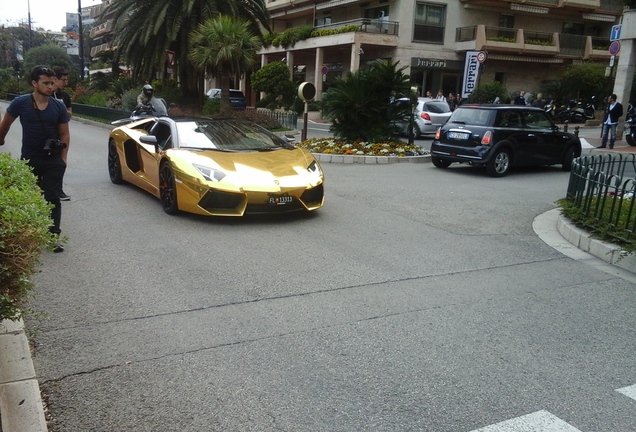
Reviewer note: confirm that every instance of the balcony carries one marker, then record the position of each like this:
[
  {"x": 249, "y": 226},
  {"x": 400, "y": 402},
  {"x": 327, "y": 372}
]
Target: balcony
[
  {"x": 101, "y": 29},
  {"x": 97, "y": 49},
  {"x": 371, "y": 32},
  {"x": 519, "y": 41}
]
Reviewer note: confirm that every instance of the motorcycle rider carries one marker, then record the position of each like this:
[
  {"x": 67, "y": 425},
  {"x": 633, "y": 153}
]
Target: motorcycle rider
[{"x": 146, "y": 98}]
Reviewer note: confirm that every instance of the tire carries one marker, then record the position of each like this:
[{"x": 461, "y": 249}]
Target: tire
[
  {"x": 631, "y": 138},
  {"x": 577, "y": 117},
  {"x": 499, "y": 164},
  {"x": 568, "y": 157},
  {"x": 114, "y": 163},
  {"x": 440, "y": 163},
  {"x": 168, "y": 189}
]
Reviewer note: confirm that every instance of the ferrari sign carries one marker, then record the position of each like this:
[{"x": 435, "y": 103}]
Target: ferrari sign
[
  {"x": 170, "y": 58},
  {"x": 471, "y": 73}
]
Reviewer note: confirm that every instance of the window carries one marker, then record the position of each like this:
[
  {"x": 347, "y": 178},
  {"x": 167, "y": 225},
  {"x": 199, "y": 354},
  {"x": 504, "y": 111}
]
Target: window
[
  {"x": 572, "y": 28},
  {"x": 430, "y": 21},
  {"x": 506, "y": 21},
  {"x": 325, "y": 20}
]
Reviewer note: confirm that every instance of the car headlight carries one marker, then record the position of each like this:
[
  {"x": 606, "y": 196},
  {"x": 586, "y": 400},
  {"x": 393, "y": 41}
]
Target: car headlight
[
  {"x": 210, "y": 174},
  {"x": 314, "y": 168}
]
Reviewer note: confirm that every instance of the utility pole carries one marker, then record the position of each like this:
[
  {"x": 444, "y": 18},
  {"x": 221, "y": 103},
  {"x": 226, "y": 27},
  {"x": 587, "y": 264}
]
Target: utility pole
[
  {"x": 81, "y": 39},
  {"x": 30, "y": 27}
]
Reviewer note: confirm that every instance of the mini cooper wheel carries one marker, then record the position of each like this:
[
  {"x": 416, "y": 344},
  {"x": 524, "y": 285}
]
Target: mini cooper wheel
[
  {"x": 568, "y": 157},
  {"x": 114, "y": 164},
  {"x": 440, "y": 163},
  {"x": 499, "y": 164},
  {"x": 168, "y": 189}
]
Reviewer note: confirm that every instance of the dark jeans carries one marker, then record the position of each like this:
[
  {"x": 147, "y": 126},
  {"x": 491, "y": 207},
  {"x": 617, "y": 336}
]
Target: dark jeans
[
  {"x": 50, "y": 172},
  {"x": 611, "y": 131}
]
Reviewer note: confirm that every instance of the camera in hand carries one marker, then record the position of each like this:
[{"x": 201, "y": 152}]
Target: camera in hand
[{"x": 53, "y": 146}]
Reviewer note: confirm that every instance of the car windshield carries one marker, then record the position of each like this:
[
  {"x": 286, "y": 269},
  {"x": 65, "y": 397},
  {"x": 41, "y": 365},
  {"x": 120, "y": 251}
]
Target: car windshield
[
  {"x": 437, "y": 107},
  {"x": 472, "y": 116},
  {"x": 227, "y": 135}
]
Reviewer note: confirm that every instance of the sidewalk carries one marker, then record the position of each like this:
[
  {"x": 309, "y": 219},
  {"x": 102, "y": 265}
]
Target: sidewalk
[{"x": 591, "y": 141}]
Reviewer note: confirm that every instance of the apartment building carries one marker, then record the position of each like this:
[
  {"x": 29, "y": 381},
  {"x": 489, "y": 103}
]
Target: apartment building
[{"x": 526, "y": 42}]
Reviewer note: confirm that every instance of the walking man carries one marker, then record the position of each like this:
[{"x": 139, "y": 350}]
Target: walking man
[
  {"x": 613, "y": 111},
  {"x": 61, "y": 82},
  {"x": 45, "y": 138}
]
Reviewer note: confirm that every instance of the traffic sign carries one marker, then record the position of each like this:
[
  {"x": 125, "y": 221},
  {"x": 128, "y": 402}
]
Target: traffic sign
[
  {"x": 616, "y": 33},
  {"x": 324, "y": 70},
  {"x": 170, "y": 58},
  {"x": 481, "y": 56},
  {"x": 614, "y": 47}
]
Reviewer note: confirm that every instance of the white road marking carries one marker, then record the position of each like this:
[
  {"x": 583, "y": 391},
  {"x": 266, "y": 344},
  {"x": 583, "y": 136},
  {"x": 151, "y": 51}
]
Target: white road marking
[
  {"x": 585, "y": 144},
  {"x": 629, "y": 391},
  {"x": 540, "y": 421}
]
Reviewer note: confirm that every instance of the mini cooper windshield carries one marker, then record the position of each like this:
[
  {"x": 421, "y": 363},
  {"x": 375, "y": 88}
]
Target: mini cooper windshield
[{"x": 227, "y": 135}]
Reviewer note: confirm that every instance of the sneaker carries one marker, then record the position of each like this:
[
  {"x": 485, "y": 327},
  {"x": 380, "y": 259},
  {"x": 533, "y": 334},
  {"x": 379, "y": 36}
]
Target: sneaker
[
  {"x": 64, "y": 197},
  {"x": 58, "y": 247}
]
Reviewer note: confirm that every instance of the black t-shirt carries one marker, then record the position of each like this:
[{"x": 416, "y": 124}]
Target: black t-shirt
[
  {"x": 37, "y": 128},
  {"x": 64, "y": 97}
]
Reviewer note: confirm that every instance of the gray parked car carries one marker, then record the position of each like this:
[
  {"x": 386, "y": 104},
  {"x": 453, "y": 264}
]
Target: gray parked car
[{"x": 429, "y": 115}]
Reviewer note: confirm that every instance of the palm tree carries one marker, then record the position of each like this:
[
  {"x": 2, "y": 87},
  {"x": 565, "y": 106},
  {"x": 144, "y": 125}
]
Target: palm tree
[
  {"x": 145, "y": 29},
  {"x": 224, "y": 47}
]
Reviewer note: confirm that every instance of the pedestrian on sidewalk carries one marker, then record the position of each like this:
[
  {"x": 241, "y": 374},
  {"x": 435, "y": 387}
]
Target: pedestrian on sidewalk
[
  {"x": 613, "y": 111},
  {"x": 61, "y": 82},
  {"x": 45, "y": 138}
]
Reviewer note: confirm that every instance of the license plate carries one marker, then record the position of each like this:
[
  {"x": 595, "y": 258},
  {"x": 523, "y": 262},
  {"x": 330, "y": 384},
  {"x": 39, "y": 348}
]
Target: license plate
[
  {"x": 281, "y": 200},
  {"x": 458, "y": 135}
]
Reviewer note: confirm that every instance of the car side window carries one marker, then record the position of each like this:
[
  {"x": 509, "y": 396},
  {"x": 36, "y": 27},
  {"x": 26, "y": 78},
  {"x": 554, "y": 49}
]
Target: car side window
[
  {"x": 511, "y": 119},
  {"x": 163, "y": 134},
  {"x": 537, "y": 120}
]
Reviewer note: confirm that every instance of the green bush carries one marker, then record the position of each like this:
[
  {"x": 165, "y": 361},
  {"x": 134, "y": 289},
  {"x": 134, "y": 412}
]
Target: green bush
[
  {"x": 488, "y": 92},
  {"x": 24, "y": 230}
]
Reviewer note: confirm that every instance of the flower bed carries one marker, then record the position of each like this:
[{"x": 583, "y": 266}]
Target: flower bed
[{"x": 362, "y": 148}]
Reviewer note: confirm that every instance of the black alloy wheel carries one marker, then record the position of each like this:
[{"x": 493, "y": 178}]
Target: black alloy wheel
[
  {"x": 114, "y": 164},
  {"x": 168, "y": 189},
  {"x": 499, "y": 164}
]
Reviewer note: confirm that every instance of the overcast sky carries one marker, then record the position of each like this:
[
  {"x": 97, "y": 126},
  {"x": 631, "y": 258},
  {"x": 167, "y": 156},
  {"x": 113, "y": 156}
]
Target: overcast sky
[{"x": 48, "y": 14}]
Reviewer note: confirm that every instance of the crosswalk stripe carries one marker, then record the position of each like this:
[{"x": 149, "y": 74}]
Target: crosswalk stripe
[
  {"x": 540, "y": 421},
  {"x": 629, "y": 391}
]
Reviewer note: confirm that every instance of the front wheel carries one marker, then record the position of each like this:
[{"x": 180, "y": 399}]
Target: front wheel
[
  {"x": 499, "y": 164},
  {"x": 168, "y": 189},
  {"x": 114, "y": 163},
  {"x": 440, "y": 163},
  {"x": 631, "y": 138},
  {"x": 568, "y": 157}
]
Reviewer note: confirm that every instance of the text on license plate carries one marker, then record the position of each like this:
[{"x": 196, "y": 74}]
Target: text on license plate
[
  {"x": 458, "y": 135},
  {"x": 281, "y": 200}
]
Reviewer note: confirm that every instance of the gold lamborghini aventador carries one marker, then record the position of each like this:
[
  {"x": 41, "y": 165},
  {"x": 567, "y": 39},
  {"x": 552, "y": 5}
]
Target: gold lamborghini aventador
[{"x": 214, "y": 167}]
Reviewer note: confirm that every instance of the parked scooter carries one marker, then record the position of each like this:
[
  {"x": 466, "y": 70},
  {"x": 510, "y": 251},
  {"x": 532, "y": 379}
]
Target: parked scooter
[
  {"x": 630, "y": 125},
  {"x": 582, "y": 113}
]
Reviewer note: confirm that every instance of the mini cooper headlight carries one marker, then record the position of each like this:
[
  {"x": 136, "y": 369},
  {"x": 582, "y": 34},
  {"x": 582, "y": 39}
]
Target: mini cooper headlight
[
  {"x": 314, "y": 168},
  {"x": 210, "y": 174}
]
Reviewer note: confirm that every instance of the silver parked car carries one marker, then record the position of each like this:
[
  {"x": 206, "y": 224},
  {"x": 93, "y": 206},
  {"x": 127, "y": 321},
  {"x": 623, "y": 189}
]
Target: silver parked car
[{"x": 429, "y": 115}]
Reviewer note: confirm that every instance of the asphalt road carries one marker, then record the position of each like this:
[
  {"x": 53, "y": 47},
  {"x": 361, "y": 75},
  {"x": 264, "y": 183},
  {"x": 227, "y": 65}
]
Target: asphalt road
[{"x": 417, "y": 299}]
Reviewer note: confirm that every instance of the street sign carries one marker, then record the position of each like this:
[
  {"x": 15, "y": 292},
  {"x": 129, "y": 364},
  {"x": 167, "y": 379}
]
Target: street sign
[
  {"x": 170, "y": 58},
  {"x": 616, "y": 33},
  {"x": 612, "y": 59},
  {"x": 481, "y": 56},
  {"x": 324, "y": 70},
  {"x": 614, "y": 47},
  {"x": 306, "y": 91}
]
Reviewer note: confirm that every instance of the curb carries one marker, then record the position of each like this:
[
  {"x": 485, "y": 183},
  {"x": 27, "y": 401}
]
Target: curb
[
  {"x": 370, "y": 160},
  {"x": 21, "y": 407},
  {"x": 609, "y": 252}
]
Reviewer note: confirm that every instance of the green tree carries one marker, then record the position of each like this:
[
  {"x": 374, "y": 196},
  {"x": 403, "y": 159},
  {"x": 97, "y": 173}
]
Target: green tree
[
  {"x": 145, "y": 29},
  {"x": 489, "y": 92},
  {"x": 224, "y": 47},
  {"x": 48, "y": 55},
  {"x": 274, "y": 80},
  {"x": 585, "y": 80},
  {"x": 359, "y": 105}
]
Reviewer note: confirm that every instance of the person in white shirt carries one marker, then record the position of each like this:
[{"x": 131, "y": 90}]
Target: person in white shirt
[{"x": 440, "y": 96}]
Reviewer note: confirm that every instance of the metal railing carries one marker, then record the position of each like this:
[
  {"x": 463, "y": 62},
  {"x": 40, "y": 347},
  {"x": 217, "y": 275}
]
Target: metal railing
[
  {"x": 601, "y": 188},
  {"x": 287, "y": 119},
  {"x": 365, "y": 25}
]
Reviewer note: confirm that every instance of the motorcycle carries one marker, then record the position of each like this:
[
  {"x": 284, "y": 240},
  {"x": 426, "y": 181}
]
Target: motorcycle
[
  {"x": 156, "y": 107},
  {"x": 630, "y": 125},
  {"x": 550, "y": 109},
  {"x": 581, "y": 113}
]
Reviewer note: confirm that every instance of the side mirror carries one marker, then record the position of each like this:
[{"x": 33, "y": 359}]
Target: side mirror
[{"x": 148, "y": 139}]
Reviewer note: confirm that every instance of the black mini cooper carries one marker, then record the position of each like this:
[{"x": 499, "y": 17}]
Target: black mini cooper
[{"x": 501, "y": 136}]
